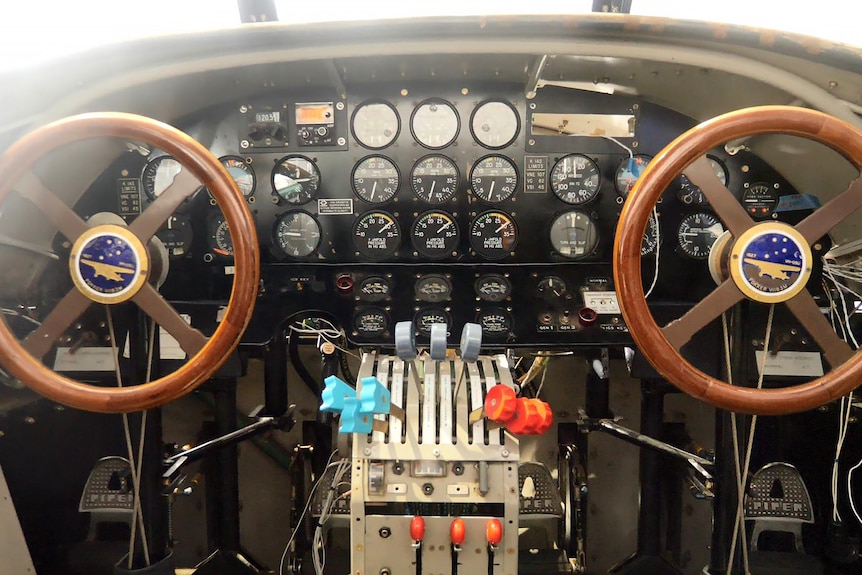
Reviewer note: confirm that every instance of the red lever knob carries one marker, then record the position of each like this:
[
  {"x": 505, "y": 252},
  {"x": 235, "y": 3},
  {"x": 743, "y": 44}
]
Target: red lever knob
[
  {"x": 494, "y": 532},
  {"x": 457, "y": 531},
  {"x": 417, "y": 528},
  {"x": 546, "y": 417},
  {"x": 500, "y": 403},
  {"x": 525, "y": 419}
]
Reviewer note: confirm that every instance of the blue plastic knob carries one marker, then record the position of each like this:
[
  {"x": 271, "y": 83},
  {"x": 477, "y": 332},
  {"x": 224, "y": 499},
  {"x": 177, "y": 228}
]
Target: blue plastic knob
[
  {"x": 471, "y": 342},
  {"x": 334, "y": 393},
  {"x": 353, "y": 420},
  {"x": 438, "y": 341},
  {"x": 373, "y": 397},
  {"x": 405, "y": 341}
]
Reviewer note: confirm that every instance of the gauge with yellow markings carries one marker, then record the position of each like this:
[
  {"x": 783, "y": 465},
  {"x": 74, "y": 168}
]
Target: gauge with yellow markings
[
  {"x": 218, "y": 236},
  {"x": 435, "y": 235},
  {"x": 376, "y": 235},
  {"x": 493, "y": 234}
]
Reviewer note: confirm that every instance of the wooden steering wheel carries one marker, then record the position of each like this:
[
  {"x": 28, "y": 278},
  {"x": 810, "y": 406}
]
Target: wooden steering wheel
[
  {"x": 757, "y": 270},
  {"x": 110, "y": 264}
]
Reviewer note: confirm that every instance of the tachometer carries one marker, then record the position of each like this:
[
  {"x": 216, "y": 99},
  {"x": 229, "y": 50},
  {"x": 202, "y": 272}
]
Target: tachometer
[
  {"x": 376, "y": 235},
  {"x": 575, "y": 179},
  {"x": 158, "y": 174},
  {"x": 759, "y": 200},
  {"x": 697, "y": 232},
  {"x": 628, "y": 173},
  {"x": 296, "y": 180},
  {"x": 435, "y": 235},
  {"x": 435, "y": 123},
  {"x": 494, "y": 124},
  {"x": 375, "y": 179},
  {"x": 297, "y": 234},
  {"x": 691, "y": 194},
  {"x": 494, "y": 178},
  {"x": 176, "y": 235},
  {"x": 375, "y": 124},
  {"x": 574, "y": 235},
  {"x": 493, "y": 235},
  {"x": 434, "y": 179}
]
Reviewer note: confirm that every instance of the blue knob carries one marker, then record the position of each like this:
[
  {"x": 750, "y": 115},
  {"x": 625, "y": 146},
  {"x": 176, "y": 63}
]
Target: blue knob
[
  {"x": 353, "y": 420},
  {"x": 334, "y": 393},
  {"x": 373, "y": 397}
]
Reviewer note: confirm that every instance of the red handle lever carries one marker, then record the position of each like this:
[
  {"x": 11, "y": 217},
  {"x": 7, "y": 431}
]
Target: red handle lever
[
  {"x": 494, "y": 532},
  {"x": 457, "y": 531},
  {"x": 417, "y": 528}
]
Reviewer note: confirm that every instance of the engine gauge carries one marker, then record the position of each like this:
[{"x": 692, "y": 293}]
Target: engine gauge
[
  {"x": 158, "y": 174},
  {"x": 219, "y": 240},
  {"x": 296, "y": 180},
  {"x": 297, "y": 234},
  {"x": 374, "y": 288},
  {"x": 176, "y": 235},
  {"x": 628, "y": 173},
  {"x": 375, "y": 124},
  {"x": 495, "y": 124},
  {"x": 370, "y": 322},
  {"x": 493, "y": 235},
  {"x": 690, "y": 194},
  {"x": 493, "y": 287},
  {"x": 435, "y": 235},
  {"x": 574, "y": 235},
  {"x": 495, "y": 322},
  {"x": 494, "y": 178},
  {"x": 759, "y": 200},
  {"x": 697, "y": 232},
  {"x": 375, "y": 179},
  {"x": 241, "y": 173},
  {"x": 575, "y": 179},
  {"x": 425, "y": 318},
  {"x": 650, "y": 241},
  {"x": 376, "y": 235},
  {"x": 433, "y": 288},
  {"x": 435, "y": 123},
  {"x": 434, "y": 179}
]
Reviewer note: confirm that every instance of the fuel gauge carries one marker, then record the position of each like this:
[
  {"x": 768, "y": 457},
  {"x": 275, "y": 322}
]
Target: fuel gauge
[
  {"x": 429, "y": 316},
  {"x": 493, "y": 287},
  {"x": 433, "y": 288}
]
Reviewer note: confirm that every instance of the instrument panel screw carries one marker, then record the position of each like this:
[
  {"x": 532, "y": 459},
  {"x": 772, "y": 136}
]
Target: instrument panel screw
[
  {"x": 367, "y": 451},
  {"x": 436, "y": 453},
  {"x": 244, "y": 144},
  {"x": 339, "y": 106},
  {"x": 341, "y": 141},
  {"x": 243, "y": 109},
  {"x": 505, "y": 453},
  {"x": 29, "y": 420}
]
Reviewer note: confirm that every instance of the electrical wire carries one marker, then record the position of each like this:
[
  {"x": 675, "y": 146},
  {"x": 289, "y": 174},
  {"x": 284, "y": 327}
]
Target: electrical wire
[
  {"x": 318, "y": 550},
  {"x": 850, "y": 491},
  {"x": 657, "y": 236}
]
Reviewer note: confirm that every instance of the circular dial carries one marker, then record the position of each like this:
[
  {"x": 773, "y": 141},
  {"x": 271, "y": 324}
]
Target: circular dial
[
  {"x": 760, "y": 200},
  {"x": 376, "y": 235},
  {"x": 628, "y": 172},
  {"x": 219, "y": 239},
  {"x": 433, "y": 288},
  {"x": 494, "y": 124},
  {"x": 574, "y": 235},
  {"x": 374, "y": 288},
  {"x": 493, "y": 234},
  {"x": 575, "y": 179},
  {"x": 493, "y": 287},
  {"x": 691, "y": 194},
  {"x": 371, "y": 321},
  {"x": 435, "y": 123},
  {"x": 241, "y": 173},
  {"x": 434, "y": 179},
  {"x": 494, "y": 178},
  {"x": 176, "y": 235},
  {"x": 697, "y": 232},
  {"x": 495, "y": 322},
  {"x": 551, "y": 287},
  {"x": 375, "y": 124},
  {"x": 650, "y": 241},
  {"x": 427, "y": 317},
  {"x": 375, "y": 179},
  {"x": 435, "y": 235},
  {"x": 297, "y": 234},
  {"x": 158, "y": 174},
  {"x": 296, "y": 180}
]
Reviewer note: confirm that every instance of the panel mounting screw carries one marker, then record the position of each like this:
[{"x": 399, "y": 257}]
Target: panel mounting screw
[
  {"x": 367, "y": 451},
  {"x": 505, "y": 453},
  {"x": 243, "y": 109},
  {"x": 244, "y": 144}
]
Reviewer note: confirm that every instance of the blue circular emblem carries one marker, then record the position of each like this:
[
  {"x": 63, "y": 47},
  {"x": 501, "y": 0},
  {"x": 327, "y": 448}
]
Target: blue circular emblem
[
  {"x": 773, "y": 263},
  {"x": 108, "y": 264}
]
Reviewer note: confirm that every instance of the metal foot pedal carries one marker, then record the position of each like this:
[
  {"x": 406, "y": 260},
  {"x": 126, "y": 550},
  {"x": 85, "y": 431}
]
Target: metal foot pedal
[
  {"x": 778, "y": 500},
  {"x": 109, "y": 488},
  {"x": 539, "y": 496}
]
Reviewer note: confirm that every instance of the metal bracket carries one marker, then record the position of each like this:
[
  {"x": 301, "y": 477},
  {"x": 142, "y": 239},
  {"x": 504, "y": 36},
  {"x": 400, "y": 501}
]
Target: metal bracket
[{"x": 535, "y": 76}]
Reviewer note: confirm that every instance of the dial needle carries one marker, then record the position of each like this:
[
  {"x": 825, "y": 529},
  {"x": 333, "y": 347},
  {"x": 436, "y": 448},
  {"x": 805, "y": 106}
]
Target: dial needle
[
  {"x": 491, "y": 191},
  {"x": 502, "y": 227},
  {"x": 445, "y": 226},
  {"x": 386, "y": 227},
  {"x": 431, "y": 192},
  {"x": 373, "y": 189}
]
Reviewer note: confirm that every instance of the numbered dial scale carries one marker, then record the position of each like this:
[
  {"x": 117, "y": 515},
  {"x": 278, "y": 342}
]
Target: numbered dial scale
[
  {"x": 376, "y": 235},
  {"x": 697, "y": 232},
  {"x": 575, "y": 179},
  {"x": 493, "y": 234},
  {"x": 494, "y": 179},
  {"x": 434, "y": 179},
  {"x": 435, "y": 235},
  {"x": 296, "y": 234},
  {"x": 375, "y": 179},
  {"x": 296, "y": 180}
]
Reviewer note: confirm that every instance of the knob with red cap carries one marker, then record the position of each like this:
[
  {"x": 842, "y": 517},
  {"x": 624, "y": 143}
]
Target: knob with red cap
[
  {"x": 494, "y": 532},
  {"x": 500, "y": 403},
  {"x": 546, "y": 417},
  {"x": 525, "y": 419},
  {"x": 457, "y": 532},
  {"x": 417, "y": 528}
]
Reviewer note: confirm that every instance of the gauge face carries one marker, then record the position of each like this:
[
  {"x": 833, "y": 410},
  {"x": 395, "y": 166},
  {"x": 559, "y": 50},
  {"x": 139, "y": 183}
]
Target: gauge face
[
  {"x": 551, "y": 287},
  {"x": 158, "y": 174},
  {"x": 760, "y": 200},
  {"x": 375, "y": 124},
  {"x": 374, "y": 288},
  {"x": 219, "y": 239},
  {"x": 649, "y": 243},
  {"x": 697, "y": 232},
  {"x": 493, "y": 287},
  {"x": 433, "y": 288},
  {"x": 176, "y": 235},
  {"x": 494, "y": 179},
  {"x": 296, "y": 180},
  {"x": 493, "y": 235},
  {"x": 574, "y": 235},
  {"x": 495, "y": 322},
  {"x": 297, "y": 234},
  {"x": 371, "y": 321},
  {"x": 435, "y": 235},
  {"x": 435, "y": 123},
  {"x": 495, "y": 124},
  {"x": 427, "y": 317},
  {"x": 575, "y": 179},
  {"x": 690, "y": 194},
  {"x": 241, "y": 173},
  {"x": 628, "y": 172},
  {"x": 434, "y": 179},
  {"x": 376, "y": 179},
  {"x": 376, "y": 235}
]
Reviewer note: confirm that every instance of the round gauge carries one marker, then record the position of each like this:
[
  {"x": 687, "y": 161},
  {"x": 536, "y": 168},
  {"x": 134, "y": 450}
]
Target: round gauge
[
  {"x": 493, "y": 235},
  {"x": 220, "y": 242},
  {"x": 649, "y": 243},
  {"x": 760, "y": 200},
  {"x": 241, "y": 173},
  {"x": 376, "y": 235},
  {"x": 433, "y": 288},
  {"x": 158, "y": 174},
  {"x": 375, "y": 124},
  {"x": 495, "y": 322},
  {"x": 371, "y": 321},
  {"x": 551, "y": 287},
  {"x": 435, "y": 235},
  {"x": 375, "y": 179},
  {"x": 495, "y": 124},
  {"x": 374, "y": 288},
  {"x": 176, "y": 235},
  {"x": 575, "y": 179},
  {"x": 494, "y": 178},
  {"x": 435, "y": 123},
  {"x": 493, "y": 287},
  {"x": 434, "y": 179},
  {"x": 297, "y": 234},
  {"x": 690, "y": 194},
  {"x": 296, "y": 180},
  {"x": 697, "y": 232},
  {"x": 425, "y": 318},
  {"x": 628, "y": 173},
  {"x": 574, "y": 235}
]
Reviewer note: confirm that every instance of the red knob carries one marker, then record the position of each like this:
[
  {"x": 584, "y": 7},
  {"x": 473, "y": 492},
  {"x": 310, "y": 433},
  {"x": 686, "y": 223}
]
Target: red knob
[
  {"x": 494, "y": 532},
  {"x": 417, "y": 528},
  {"x": 457, "y": 531},
  {"x": 525, "y": 419},
  {"x": 587, "y": 316},
  {"x": 546, "y": 417},
  {"x": 500, "y": 403}
]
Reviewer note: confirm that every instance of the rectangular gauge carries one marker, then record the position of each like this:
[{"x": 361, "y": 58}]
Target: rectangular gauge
[
  {"x": 315, "y": 113},
  {"x": 315, "y": 124}
]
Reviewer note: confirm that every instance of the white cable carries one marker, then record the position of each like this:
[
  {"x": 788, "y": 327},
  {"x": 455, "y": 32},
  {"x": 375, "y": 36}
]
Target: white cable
[
  {"x": 850, "y": 491},
  {"x": 657, "y": 236}
]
